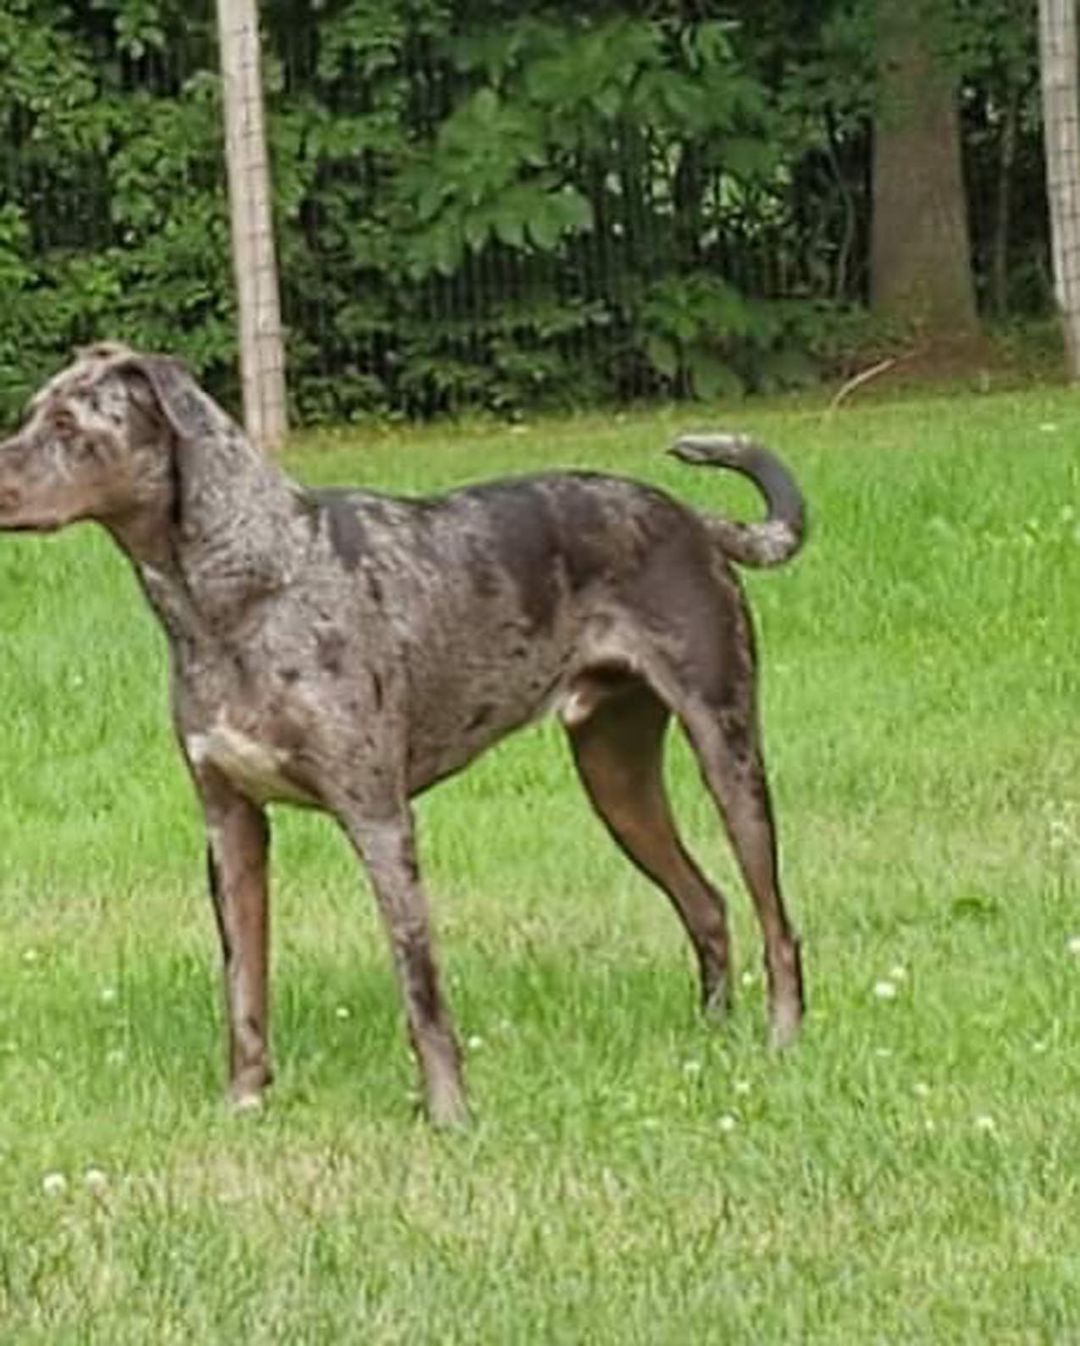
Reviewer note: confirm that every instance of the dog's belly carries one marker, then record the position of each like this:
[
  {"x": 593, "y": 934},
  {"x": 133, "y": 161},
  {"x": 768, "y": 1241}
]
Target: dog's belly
[
  {"x": 434, "y": 755},
  {"x": 459, "y": 707},
  {"x": 472, "y": 714}
]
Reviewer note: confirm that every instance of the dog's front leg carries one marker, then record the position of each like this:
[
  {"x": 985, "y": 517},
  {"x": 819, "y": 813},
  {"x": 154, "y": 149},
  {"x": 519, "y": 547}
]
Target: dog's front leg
[
  {"x": 238, "y": 841},
  {"x": 388, "y": 850}
]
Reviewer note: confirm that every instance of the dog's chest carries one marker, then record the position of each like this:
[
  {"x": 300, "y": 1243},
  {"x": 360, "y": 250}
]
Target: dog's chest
[{"x": 256, "y": 768}]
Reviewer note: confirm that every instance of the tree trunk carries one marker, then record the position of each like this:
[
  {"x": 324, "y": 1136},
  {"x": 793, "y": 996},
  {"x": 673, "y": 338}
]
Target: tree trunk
[
  {"x": 1058, "y": 67},
  {"x": 920, "y": 251},
  {"x": 262, "y": 362}
]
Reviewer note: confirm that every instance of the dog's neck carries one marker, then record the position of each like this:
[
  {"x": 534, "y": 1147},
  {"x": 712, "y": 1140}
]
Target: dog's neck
[{"x": 230, "y": 531}]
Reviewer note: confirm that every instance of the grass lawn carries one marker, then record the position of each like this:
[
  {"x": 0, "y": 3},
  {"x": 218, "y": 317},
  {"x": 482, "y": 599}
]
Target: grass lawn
[{"x": 909, "y": 1173}]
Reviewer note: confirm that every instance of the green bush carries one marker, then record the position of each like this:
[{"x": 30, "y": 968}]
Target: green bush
[{"x": 476, "y": 208}]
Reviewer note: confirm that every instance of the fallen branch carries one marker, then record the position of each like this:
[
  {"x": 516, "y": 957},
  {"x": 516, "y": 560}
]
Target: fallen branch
[{"x": 864, "y": 376}]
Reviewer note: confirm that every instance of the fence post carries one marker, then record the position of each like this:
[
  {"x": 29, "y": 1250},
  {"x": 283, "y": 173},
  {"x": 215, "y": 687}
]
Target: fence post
[
  {"x": 1061, "y": 129},
  {"x": 262, "y": 361}
]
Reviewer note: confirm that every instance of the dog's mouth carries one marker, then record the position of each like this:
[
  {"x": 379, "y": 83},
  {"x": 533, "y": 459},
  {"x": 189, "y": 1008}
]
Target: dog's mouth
[
  {"x": 17, "y": 525},
  {"x": 17, "y": 515}
]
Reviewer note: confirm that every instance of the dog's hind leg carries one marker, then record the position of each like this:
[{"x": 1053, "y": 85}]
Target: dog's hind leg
[
  {"x": 727, "y": 746},
  {"x": 618, "y": 749}
]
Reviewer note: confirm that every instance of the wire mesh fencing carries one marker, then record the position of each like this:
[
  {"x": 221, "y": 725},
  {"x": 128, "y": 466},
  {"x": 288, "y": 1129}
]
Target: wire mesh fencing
[{"x": 475, "y": 208}]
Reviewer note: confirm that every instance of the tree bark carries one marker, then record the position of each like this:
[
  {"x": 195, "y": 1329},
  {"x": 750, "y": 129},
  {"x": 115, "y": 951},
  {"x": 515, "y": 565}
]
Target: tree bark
[
  {"x": 920, "y": 251},
  {"x": 262, "y": 361},
  {"x": 1061, "y": 130}
]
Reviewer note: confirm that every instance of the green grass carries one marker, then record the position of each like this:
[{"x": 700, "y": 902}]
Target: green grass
[{"x": 909, "y": 1173}]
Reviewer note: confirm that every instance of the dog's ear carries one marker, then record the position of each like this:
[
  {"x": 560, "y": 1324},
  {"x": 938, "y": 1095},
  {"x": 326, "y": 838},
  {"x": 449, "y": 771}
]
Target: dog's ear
[{"x": 185, "y": 407}]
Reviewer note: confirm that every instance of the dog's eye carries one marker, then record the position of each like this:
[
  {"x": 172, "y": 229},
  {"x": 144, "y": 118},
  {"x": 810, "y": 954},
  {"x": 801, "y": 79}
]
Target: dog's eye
[{"x": 64, "y": 423}]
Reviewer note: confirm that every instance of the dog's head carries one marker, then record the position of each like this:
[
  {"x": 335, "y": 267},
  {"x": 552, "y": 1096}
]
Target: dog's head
[{"x": 100, "y": 440}]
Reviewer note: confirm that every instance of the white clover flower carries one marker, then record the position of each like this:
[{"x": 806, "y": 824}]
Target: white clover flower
[
  {"x": 54, "y": 1184},
  {"x": 474, "y": 1043},
  {"x": 741, "y": 1087},
  {"x": 898, "y": 972},
  {"x": 984, "y": 1122},
  {"x": 1073, "y": 946},
  {"x": 1061, "y": 823},
  {"x": 97, "y": 1181},
  {"x": 885, "y": 990},
  {"x": 343, "y": 1012},
  {"x": 726, "y": 1122},
  {"x": 691, "y": 1067},
  {"x": 920, "y": 1089}
]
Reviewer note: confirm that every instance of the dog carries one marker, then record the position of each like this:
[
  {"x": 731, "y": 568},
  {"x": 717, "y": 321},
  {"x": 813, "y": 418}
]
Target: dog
[{"x": 344, "y": 650}]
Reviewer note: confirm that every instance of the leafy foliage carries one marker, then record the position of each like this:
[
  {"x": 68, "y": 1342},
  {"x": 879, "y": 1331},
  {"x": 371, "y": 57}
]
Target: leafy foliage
[
  {"x": 476, "y": 206},
  {"x": 117, "y": 223}
]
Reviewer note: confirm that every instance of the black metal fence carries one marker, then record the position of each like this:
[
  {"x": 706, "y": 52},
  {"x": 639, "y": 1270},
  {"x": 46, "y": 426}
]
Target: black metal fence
[{"x": 495, "y": 214}]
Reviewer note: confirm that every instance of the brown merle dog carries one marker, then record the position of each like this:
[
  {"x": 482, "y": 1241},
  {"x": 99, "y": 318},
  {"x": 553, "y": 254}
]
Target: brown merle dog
[{"x": 344, "y": 650}]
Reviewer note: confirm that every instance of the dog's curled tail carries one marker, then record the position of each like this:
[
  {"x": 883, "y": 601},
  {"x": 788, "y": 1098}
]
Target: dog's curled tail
[{"x": 780, "y": 535}]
